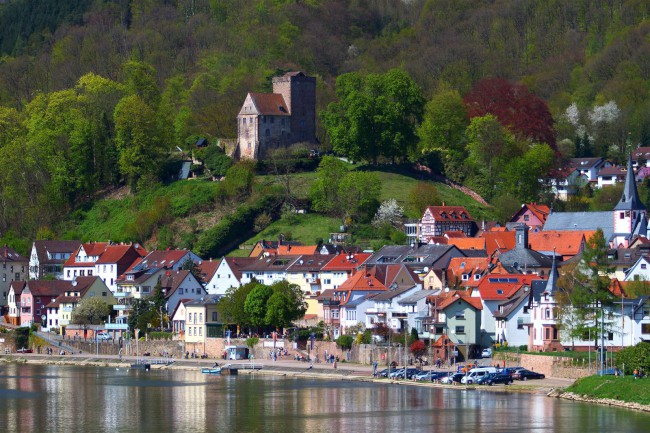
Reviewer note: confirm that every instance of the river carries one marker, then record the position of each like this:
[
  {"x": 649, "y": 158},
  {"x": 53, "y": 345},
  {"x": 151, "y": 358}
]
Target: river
[{"x": 35, "y": 398}]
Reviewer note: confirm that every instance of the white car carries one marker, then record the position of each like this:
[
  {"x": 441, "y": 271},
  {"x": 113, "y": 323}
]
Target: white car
[
  {"x": 487, "y": 353},
  {"x": 103, "y": 336}
]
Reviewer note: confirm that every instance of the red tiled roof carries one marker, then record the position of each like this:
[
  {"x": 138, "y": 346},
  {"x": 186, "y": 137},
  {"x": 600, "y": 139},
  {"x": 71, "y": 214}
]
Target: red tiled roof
[
  {"x": 541, "y": 211},
  {"x": 361, "y": 280},
  {"x": 48, "y": 287},
  {"x": 498, "y": 241},
  {"x": 449, "y": 213},
  {"x": 270, "y": 104},
  {"x": 454, "y": 234},
  {"x": 504, "y": 286},
  {"x": 207, "y": 268},
  {"x": 115, "y": 254},
  {"x": 444, "y": 300},
  {"x": 346, "y": 262}
]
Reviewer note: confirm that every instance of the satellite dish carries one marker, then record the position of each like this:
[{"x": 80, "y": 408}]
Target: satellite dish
[{"x": 426, "y": 269}]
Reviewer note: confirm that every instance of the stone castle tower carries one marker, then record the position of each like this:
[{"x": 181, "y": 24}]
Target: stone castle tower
[{"x": 269, "y": 121}]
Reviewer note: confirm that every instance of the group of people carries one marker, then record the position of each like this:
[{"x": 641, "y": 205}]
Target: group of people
[{"x": 278, "y": 353}]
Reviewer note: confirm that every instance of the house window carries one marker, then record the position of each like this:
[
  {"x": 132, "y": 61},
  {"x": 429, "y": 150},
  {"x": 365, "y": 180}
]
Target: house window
[
  {"x": 460, "y": 316},
  {"x": 477, "y": 277},
  {"x": 621, "y": 215},
  {"x": 547, "y": 313},
  {"x": 460, "y": 330},
  {"x": 526, "y": 217},
  {"x": 465, "y": 277},
  {"x": 335, "y": 314},
  {"x": 645, "y": 328},
  {"x": 104, "y": 294},
  {"x": 201, "y": 318},
  {"x": 200, "y": 332},
  {"x": 525, "y": 310},
  {"x": 327, "y": 281},
  {"x": 643, "y": 266},
  {"x": 214, "y": 316}
]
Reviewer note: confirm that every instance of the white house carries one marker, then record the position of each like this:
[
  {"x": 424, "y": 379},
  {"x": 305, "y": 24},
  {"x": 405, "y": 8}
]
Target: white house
[
  {"x": 640, "y": 271},
  {"x": 267, "y": 269},
  {"x": 513, "y": 318},
  {"x": 228, "y": 273},
  {"x": 48, "y": 256}
]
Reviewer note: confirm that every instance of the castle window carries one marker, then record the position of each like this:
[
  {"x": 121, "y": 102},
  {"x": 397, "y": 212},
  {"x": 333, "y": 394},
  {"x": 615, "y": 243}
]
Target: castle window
[
  {"x": 282, "y": 122},
  {"x": 244, "y": 121},
  {"x": 272, "y": 119},
  {"x": 263, "y": 119},
  {"x": 267, "y": 133}
]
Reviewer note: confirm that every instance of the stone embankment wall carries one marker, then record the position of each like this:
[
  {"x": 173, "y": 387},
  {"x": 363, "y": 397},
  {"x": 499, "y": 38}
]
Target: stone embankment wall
[{"x": 551, "y": 366}]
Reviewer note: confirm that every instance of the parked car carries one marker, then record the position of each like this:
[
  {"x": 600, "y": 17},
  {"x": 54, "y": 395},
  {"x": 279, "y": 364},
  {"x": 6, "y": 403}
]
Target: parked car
[
  {"x": 492, "y": 378},
  {"x": 103, "y": 336},
  {"x": 511, "y": 370},
  {"x": 396, "y": 374},
  {"x": 411, "y": 372},
  {"x": 455, "y": 377},
  {"x": 383, "y": 373},
  {"x": 487, "y": 353},
  {"x": 524, "y": 374},
  {"x": 24, "y": 350},
  {"x": 424, "y": 376}
]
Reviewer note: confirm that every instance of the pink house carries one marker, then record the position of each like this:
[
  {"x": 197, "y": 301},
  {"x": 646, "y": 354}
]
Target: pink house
[
  {"x": 531, "y": 214},
  {"x": 36, "y": 295}
]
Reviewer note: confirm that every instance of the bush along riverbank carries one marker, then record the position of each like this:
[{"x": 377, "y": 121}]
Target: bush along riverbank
[{"x": 610, "y": 390}]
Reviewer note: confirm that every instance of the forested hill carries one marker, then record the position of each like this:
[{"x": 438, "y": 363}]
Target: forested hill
[{"x": 79, "y": 79}]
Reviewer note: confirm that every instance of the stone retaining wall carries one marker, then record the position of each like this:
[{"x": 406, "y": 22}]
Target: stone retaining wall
[{"x": 551, "y": 366}]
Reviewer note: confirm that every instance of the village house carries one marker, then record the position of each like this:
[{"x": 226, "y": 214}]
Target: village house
[
  {"x": 466, "y": 272},
  {"x": 416, "y": 308},
  {"x": 47, "y": 257},
  {"x": 104, "y": 259},
  {"x": 385, "y": 308},
  {"x": 59, "y": 311},
  {"x": 267, "y": 269},
  {"x": 14, "y": 268},
  {"x": 522, "y": 259},
  {"x": 419, "y": 258},
  {"x": 532, "y": 214},
  {"x": 35, "y": 296},
  {"x": 545, "y": 336},
  {"x": 436, "y": 220},
  {"x": 270, "y": 121},
  {"x": 13, "y": 298},
  {"x": 512, "y": 318},
  {"x": 457, "y": 316},
  {"x": 201, "y": 322},
  {"x": 340, "y": 268},
  {"x": 228, "y": 273}
]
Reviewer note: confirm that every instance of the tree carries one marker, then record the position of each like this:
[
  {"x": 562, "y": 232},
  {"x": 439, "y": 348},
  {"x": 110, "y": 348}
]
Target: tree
[
  {"x": 389, "y": 213},
  {"x": 255, "y": 305},
  {"x": 91, "y": 311},
  {"x": 375, "y": 116},
  {"x": 231, "y": 305},
  {"x": 286, "y": 304},
  {"x": 137, "y": 140},
  {"x": 518, "y": 110},
  {"x": 585, "y": 288},
  {"x": 489, "y": 146},
  {"x": 324, "y": 192},
  {"x": 421, "y": 196},
  {"x": 418, "y": 348},
  {"x": 239, "y": 180},
  {"x": 345, "y": 342},
  {"x": 443, "y": 129},
  {"x": 189, "y": 265},
  {"x": 524, "y": 176},
  {"x": 359, "y": 194}
]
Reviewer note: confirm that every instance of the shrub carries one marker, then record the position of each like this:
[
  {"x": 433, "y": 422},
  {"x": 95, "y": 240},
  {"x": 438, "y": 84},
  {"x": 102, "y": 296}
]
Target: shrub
[
  {"x": 252, "y": 342},
  {"x": 345, "y": 342},
  {"x": 634, "y": 357},
  {"x": 160, "y": 335}
]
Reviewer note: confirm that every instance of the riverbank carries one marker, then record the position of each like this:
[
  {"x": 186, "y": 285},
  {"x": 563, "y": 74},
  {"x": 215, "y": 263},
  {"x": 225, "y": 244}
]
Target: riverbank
[
  {"x": 282, "y": 367},
  {"x": 610, "y": 391}
]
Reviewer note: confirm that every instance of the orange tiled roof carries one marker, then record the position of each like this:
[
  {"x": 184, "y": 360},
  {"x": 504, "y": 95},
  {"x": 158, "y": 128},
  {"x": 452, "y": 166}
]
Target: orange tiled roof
[
  {"x": 361, "y": 280},
  {"x": 504, "y": 286},
  {"x": 270, "y": 104},
  {"x": 346, "y": 262},
  {"x": 498, "y": 241},
  {"x": 449, "y": 213},
  {"x": 284, "y": 250},
  {"x": 565, "y": 243},
  {"x": 444, "y": 300},
  {"x": 467, "y": 243}
]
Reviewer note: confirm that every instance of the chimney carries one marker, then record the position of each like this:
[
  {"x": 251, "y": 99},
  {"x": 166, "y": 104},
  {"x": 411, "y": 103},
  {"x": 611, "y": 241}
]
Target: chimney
[{"x": 521, "y": 236}]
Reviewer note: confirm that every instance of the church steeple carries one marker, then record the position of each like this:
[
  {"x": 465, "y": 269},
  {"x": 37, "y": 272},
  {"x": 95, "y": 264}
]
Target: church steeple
[
  {"x": 551, "y": 283},
  {"x": 630, "y": 198}
]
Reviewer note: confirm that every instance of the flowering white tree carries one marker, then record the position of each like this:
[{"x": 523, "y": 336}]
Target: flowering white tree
[{"x": 389, "y": 212}]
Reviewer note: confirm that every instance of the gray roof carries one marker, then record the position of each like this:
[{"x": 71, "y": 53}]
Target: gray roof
[
  {"x": 582, "y": 221},
  {"x": 417, "y": 296},
  {"x": 205, "y": 300},
  {"x": 391, "y": 293},
  {"x": 414, "y": 256},
  {"x": 630, "y": 198},
  {"x": 551, "y": 283},
  {"x": 538, "y": 287},
  {"x": 521, "y": 258}
]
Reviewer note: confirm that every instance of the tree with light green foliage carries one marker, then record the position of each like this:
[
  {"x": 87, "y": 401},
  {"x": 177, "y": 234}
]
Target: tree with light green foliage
[
  {"x": 255, "y": 305},
  {"x": 324, "y": 192},
  {"x": 91, "y": 311}
]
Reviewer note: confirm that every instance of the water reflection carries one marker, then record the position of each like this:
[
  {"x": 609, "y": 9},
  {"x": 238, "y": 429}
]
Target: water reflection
[{"x": 54, "y": 398}]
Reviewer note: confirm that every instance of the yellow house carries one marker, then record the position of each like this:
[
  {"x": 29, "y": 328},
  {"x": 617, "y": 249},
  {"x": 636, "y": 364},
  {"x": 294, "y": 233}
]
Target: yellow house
[{"x": 202, "y": 321}]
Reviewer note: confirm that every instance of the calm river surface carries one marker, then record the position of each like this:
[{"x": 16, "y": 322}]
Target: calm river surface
[{"x": 78, "y": 399}]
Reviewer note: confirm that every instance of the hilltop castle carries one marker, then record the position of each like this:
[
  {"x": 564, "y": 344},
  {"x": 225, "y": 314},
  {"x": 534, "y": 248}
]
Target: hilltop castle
[{"x": 269, "y": 121}]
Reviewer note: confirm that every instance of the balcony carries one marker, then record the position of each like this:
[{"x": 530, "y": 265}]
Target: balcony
[
  {"x": 65, "y": 310},
  {"x": 331, "y": 302},
  {"x": 122, "y": 294},
  {"x": 120, "y": 307}
]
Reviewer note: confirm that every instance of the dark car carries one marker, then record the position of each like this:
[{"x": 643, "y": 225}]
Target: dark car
[
  {"x": 527, "y": 374},
  {"x": 383, "y": 373},
  {"x": 511, "y": 370},
  {"x": 492, "y": 378},
  {"x": 412, "y": 372}
]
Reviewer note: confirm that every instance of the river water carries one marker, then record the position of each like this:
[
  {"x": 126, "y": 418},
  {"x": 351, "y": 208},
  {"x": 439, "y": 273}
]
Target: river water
[{"x": 89, "y": 399}]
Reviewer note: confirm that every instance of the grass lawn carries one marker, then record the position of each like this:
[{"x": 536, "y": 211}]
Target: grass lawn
[
  {"x": 620, "y": 388},
  {"x": 305, "y": 228}
]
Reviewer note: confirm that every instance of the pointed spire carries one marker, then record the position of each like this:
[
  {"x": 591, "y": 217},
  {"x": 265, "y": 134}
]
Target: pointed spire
[
  {"x": 630, "y": 198},
  {"x": 551, "y": 283}
]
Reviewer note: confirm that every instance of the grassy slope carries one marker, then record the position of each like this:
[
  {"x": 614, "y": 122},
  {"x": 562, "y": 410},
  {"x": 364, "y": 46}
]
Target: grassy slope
[
  {"x": 618, "y": 388},
  {"x": 120, "y": 218}
]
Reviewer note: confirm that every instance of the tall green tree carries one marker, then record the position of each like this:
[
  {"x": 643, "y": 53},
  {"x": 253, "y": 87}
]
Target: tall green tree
[
  {"x": 255, "y": 305},
  {"x": 375, "y": 116},
  {"x": 91, "y": 311},
  {"x": 231, "y": 306},
  {"x": 359, "y": 194},
  {"x": 138, "y": 140},
  {"x": 324, "y": 192}
]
